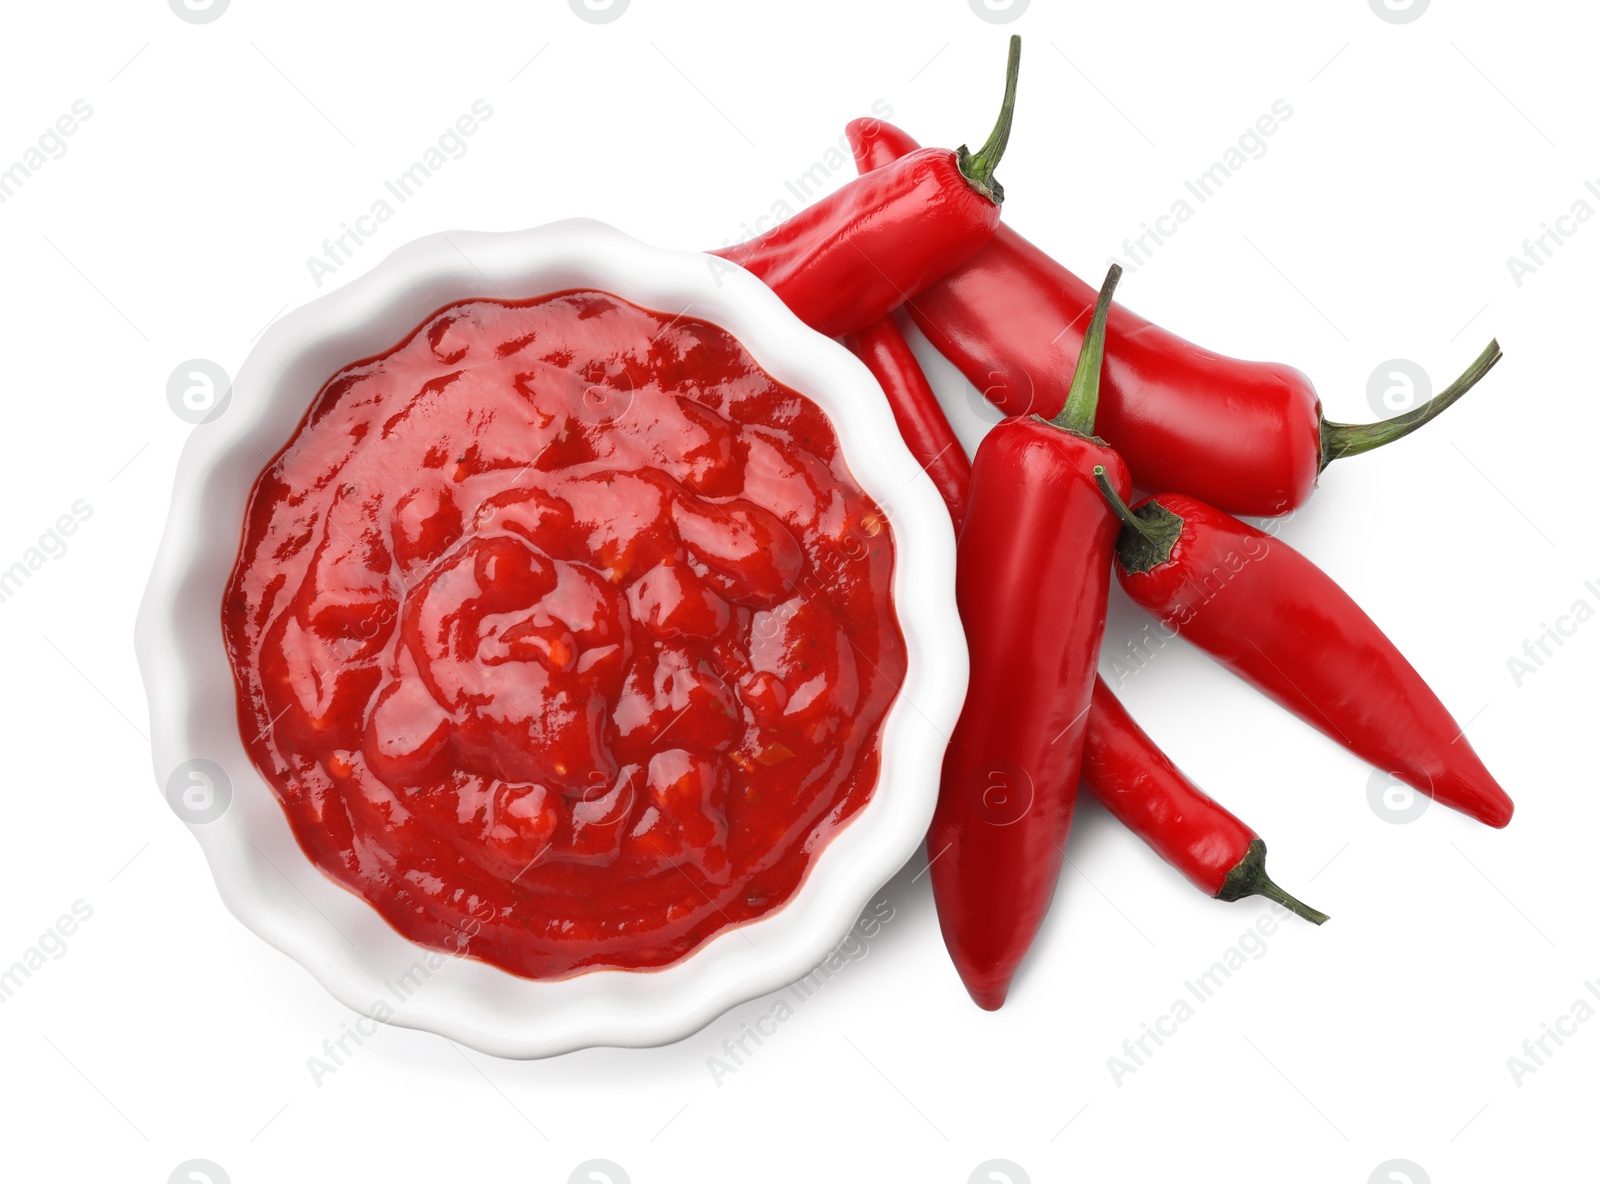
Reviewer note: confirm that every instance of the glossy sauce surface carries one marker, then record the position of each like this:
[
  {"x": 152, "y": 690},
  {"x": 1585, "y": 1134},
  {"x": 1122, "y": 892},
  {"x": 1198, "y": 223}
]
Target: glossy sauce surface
[{"x": 563, "y": 633}]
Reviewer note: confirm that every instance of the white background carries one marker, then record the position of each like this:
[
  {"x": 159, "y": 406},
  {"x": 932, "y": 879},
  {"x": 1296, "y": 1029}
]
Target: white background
[{"x": 1376, "y": 225}]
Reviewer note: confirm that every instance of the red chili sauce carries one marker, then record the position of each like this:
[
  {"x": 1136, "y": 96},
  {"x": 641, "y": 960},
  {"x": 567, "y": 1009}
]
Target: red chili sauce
[{"x": 563, "y": 626}]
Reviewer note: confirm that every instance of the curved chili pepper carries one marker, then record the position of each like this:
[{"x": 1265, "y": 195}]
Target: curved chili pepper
[
  {"x": 1122, "y": 766},
  {"x": 916, "y": 409},
  {"x": 850, "y": 258},
  {"x": 1032, "y": 579},
  {"x": 1147, "y": 793},
  {"x": 1248, "y": 437},
  {"x": 1275, "y": 619}
]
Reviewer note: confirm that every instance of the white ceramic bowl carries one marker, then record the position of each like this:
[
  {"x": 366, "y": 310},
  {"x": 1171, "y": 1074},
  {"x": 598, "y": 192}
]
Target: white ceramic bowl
[{"x": 265, "y": 878}]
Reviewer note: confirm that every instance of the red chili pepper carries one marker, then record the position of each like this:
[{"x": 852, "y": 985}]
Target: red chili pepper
[
  {"x": 1279, "y": 622},
  {"x": 1122, "y": 766},
  {"x": 916, "y": 408},
  {"x": 844, "y": 261},
  {"x": 1147, "y": 793},
  {"x": 1248, "y": 437},
  {"x": 1032, "y": 578}
]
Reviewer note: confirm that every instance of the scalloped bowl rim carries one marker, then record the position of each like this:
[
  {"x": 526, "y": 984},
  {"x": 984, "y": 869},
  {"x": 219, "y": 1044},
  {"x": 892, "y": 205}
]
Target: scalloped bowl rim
[{"x": 265, "y": 878}]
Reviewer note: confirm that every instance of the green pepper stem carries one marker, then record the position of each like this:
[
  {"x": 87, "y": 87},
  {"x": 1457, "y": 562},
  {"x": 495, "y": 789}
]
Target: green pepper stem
[
  {"x": 1249, "y": 878},
  {"x": 1348, "y": 439},
  {"x": 978, "y": 167},
  {"x": 1083, "y": 397},
  {"x": 1120, "y": 508}
]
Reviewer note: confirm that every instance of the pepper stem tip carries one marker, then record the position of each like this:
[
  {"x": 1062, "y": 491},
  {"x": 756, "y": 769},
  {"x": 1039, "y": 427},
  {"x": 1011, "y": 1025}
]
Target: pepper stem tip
[
  {"x": 978, "y": 167},
  {"x": 1339, "y": 440},
  {"x": 1120, "y": 508},
  {"x": 1249, "y": 878},
  {"x": 1083, "y": 397}
]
